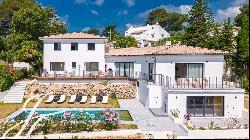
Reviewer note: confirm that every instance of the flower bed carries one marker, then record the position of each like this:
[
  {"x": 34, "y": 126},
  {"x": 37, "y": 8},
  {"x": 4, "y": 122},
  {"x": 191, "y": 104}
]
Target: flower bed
[{"x": 75, "y": 123}]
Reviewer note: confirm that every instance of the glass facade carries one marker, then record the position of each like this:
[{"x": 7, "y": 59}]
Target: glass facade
[
  {"x": 207, "y": 106},
  {"x": 125, "y": 69}
]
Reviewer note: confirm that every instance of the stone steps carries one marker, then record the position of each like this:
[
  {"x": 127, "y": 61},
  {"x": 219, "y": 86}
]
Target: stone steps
[{"x": 15, "y": 94}]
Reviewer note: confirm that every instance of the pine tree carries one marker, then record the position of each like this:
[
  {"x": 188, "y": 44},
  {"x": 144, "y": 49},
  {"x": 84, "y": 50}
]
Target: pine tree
[{"x": 200, "y": 21}]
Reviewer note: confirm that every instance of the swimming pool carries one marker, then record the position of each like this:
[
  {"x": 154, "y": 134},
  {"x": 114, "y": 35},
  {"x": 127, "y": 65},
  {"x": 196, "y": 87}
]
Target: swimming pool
[{"x": 124, "y": 115}]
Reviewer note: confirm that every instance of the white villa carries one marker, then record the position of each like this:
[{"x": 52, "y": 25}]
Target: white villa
[
  {"x": 147, "y": 35},
  {"x": 189, "y": 79}
]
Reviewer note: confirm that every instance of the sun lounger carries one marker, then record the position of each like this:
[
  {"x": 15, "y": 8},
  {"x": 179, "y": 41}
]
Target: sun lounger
[
  {"x": 84, "y": 99},
  {"x": 62, "y": 99},
  {"x": 50, "y": 99},
  {"x": 93, "y": 100},
  {"x": 72, "y": 99},
  {"x": 105, "y": 99}
]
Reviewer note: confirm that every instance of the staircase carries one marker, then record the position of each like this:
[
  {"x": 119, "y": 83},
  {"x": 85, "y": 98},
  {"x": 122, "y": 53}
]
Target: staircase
[{"x": 15, "y": 94}]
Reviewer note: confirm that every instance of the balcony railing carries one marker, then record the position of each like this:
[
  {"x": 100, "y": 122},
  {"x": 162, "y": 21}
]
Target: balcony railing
[{"x": 223, "y": 82}]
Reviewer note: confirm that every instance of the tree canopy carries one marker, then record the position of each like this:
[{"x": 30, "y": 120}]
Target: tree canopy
[
  {"x": 93, "y": 31},
  {"x": 170, "y": 21},
  {"x": 113, "y": 29},
  {"x": 124, "y": 41},
  {"x": 244, "y": 12},
  {"x": 22, "y": 23}
]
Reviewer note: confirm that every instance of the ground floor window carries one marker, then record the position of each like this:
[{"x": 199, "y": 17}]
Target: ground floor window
[
  {"x": 125, "y": 69},
  {"x": 205, "y": 105},
  {"x": 92, "y": 66},
  {"x": 57, "y": 66}
]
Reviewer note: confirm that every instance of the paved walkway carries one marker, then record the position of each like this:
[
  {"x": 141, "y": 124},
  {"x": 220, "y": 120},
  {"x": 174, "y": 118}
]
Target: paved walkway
[{"x": 146, "y": 121}]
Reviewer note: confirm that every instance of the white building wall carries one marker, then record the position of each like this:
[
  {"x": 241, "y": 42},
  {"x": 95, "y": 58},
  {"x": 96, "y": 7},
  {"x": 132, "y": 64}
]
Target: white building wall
[
  {"x": 68, "y": 56},
  {"x": 233, "y": 101}
]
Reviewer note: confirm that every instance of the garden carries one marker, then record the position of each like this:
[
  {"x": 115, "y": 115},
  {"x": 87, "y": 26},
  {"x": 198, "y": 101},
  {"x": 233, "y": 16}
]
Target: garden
[{"x": 67, "y": 122}]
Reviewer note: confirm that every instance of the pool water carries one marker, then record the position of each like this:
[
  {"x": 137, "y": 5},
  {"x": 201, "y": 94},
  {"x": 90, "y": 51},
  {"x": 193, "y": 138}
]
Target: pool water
[{"x": 124, "y": 115}]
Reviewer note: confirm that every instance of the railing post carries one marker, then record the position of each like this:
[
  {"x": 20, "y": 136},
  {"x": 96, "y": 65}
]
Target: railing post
[
  {"x": 209, "y": 82},
  {"x": 222, "y": 83},
  {"x": 216, "y": 82},
  {"x": 82, "y": 73},
  {"x": 54, "y": 74},
  {"x": 202, "y": 82}
]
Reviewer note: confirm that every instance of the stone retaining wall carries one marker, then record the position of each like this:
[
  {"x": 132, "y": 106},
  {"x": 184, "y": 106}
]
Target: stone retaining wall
[{"x": 123, "y": 91}]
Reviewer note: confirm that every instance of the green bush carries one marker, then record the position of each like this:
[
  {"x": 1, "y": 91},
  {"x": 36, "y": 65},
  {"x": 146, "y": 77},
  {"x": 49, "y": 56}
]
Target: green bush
[
  {"x": 245, "y": 82},
  {"x": 113, "y": 95},
  {"x": 5, "y": 82}
]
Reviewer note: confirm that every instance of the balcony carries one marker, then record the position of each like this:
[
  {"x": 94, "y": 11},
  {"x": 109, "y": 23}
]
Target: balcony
[{"x": 218, "y": 83}]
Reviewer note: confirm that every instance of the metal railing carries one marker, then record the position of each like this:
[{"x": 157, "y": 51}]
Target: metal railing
[
  {"x": 224, "y": 82},
  {"x": 152, "y": 78}
]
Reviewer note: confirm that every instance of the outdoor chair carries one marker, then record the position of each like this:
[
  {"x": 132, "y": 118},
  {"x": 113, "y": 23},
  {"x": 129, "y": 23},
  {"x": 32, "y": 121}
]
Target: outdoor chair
[
  {"x": 105, "y": 99},
  {"x": 62, "y": 99},
  {"x": 84, "y": 99},
  {"x": 72, "y": 99},
  {"x": 93, "y": 100},
  {"x": 50, "y": 99}
]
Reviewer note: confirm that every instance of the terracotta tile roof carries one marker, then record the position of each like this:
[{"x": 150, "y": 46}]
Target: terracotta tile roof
[
  {"x": 73, "y": 36},
  {"x": 163, "y": 50}
]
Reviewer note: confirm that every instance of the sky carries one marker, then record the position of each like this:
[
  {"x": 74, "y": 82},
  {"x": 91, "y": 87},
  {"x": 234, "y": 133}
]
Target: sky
[{"x": 81, "y": 15}]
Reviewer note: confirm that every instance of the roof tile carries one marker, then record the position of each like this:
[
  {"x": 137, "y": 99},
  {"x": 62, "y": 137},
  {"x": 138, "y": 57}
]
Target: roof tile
[{"x": 73, "y": 36}]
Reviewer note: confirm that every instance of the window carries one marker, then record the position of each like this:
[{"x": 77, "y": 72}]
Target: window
[
  {"x": 73, "y": 65},
  {"x": 125, "y": 69},
  {"x": 92, "y": 66},
  {"x": 74, "y": 46},
  {"x": 208, "y": 106},
  {"x": 57, "y": 46},
  {"x": 162, "y": 35},
  {"x": 185, "y": 70},
  {"x": 57, "y": 66},
  {"x": 91, "y": 46}
]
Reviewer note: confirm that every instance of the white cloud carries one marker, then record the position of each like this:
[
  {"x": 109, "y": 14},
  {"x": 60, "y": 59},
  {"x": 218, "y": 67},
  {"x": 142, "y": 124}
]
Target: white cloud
[
  {"x": 94, "y": 12},
  {"x": 232, "y": 11},
  {"x": 80, "y": 1},
  {"x": 134, "y": 25},
  {"x": 183, "y": 9},
  {"x": 124, "y": 12},
  {"x": 129, "y": 2},
  {"x": 99, "y": 2},
  {"x": 85, "y": 29}
]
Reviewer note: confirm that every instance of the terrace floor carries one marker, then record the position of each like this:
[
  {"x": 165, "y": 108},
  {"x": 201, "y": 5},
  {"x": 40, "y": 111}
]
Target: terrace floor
[{"x": 145, "y": 120}]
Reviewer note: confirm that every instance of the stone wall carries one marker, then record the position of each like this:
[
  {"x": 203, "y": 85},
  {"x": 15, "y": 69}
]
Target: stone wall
[{"x": 123, "y": 91}]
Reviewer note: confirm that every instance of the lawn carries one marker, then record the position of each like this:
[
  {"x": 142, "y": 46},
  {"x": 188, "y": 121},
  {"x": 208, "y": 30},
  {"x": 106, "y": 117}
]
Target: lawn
[
  {"x": 7, "y": 109},
  {"x": 112, "y": 103},
  {"x": 125, "y": 116}
]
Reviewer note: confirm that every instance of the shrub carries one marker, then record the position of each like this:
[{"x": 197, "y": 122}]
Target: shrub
[
  {"x": 111, "y": 119},
  {"x": 5, "y": 82},
  {"x": 105, "y": 83},
  {"x": 175, "y": 112},
  {"x": 113, "y": 95},
  {"x": 202, "y": 128}
]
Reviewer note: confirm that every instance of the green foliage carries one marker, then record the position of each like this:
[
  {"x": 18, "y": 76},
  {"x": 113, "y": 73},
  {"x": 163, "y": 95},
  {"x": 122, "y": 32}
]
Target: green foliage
[
  {"x": 5, "y": 82},
  {"x": 113, "y": 29},
  {"x": 175, "y": 39},
  {"x": 200, "y": 22},
  {"x": 22, "y": 23},
  {"x": 124, "y": 41},
  {"x": 170, "y": 21},
  {"x": 93, "y": 31},
  {"x": 244, "y": 12},
  {"x": 105, "y": 83},
  {"x": 113, "y": 95},
  {"x": 245, "y": 81}
]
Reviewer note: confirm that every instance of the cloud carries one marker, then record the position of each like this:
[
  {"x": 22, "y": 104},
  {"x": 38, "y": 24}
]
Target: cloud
[
  {"x": 80, "y": 1},
  {"x": 99, "y": 2},
  {"x": 183, "y": 9},
  {"x": 129, "y": 2},
  {"x": 124, "y": 12},
  {"x": 85, "y": 29},
  {"x": 94, "y": 12},
  {"x": 134, "y": 25},
  {"x": 230, "y": 12}
]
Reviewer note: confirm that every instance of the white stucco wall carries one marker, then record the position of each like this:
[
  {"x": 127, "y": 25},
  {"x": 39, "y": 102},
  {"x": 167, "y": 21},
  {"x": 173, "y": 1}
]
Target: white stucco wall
[
  {"x": 233, "y": 101},
  {"x": 68, "y": 56},
  {"x": 165, "y": 64}
]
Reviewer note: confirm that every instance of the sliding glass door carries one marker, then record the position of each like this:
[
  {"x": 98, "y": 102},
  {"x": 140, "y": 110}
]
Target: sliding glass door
[
  {"x": 188, "y": 70},
  {"x": 124, "y": 69},
  {"x": 208, "y": 106}
]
